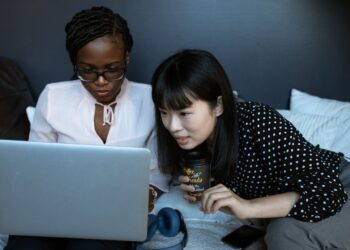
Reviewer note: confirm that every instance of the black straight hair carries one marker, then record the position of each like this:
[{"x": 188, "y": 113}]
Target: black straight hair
[{"x": 199, "y": 75}]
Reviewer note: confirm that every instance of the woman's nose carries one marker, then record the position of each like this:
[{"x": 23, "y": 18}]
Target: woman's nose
[
  {"x": 174, "y": 124},
  {"x": 101, "y": 80}
]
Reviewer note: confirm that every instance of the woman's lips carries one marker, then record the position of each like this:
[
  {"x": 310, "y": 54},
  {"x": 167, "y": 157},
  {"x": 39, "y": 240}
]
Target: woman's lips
[
  {"x": 102, "y": 93},
  {"x": 182, "y": 140}
]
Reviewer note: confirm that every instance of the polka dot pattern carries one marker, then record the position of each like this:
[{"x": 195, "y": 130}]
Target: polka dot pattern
[{"x": 275, "y": 158}]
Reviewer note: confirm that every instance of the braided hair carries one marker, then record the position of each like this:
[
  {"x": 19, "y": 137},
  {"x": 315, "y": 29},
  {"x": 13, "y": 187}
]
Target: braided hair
[{"x": 89, "y": 24}]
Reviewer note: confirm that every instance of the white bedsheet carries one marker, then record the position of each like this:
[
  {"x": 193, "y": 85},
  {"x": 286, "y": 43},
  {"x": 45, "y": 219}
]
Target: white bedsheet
[{"x": 204, "y": 231}]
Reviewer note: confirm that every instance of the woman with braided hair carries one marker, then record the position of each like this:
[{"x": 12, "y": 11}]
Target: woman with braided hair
[{"x": 100, "y": 107}]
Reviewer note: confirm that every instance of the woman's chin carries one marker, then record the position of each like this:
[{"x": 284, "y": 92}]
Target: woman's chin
[{"x": 187, "y": 146}]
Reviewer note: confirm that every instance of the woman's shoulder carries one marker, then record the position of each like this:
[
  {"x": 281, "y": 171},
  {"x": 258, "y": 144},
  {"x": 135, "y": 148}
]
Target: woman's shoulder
[
  {"x": 251, "y": 107},
  {"x": 61, "y": 92},
  {"x": 139, "y": 90},
  {"x": 64, "y": 86},
  {"x": 251, "y": 112},
  {"x": 139, "y": 87}
]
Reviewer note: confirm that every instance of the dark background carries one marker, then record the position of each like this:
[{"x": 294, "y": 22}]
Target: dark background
[{"x": 267, "y": 47}]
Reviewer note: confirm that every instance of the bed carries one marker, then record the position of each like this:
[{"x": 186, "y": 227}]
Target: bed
[{"x": 323, "y": 122}]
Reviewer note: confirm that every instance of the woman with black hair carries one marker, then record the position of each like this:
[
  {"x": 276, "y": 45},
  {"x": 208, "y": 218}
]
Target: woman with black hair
[
  {"x": 101, "y": 107},
  {"x": 262, "y": 166}
]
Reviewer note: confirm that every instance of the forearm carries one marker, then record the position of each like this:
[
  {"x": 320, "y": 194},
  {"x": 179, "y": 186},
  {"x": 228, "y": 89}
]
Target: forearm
[{"x": 273, "y": 206}]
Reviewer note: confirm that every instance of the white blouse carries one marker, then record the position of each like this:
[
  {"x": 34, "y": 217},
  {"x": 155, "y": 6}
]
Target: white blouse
[{"x": 65, "y": 114}]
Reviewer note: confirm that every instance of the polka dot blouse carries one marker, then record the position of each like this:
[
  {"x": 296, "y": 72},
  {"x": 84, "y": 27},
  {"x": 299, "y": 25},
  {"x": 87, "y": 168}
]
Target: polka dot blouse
[{"x": 275, "y": 158}]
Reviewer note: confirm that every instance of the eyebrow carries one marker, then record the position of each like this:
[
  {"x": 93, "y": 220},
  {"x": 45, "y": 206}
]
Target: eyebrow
[{"x": 92, "y": 65}]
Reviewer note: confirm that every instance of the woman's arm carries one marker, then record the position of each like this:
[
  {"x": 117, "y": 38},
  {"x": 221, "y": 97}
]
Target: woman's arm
[
  {"x": 220, "y": 197},
  {"x": 293, "y": 164},
  {"x": 278, "y": 205},
  {"x": 41, "y": 129}
]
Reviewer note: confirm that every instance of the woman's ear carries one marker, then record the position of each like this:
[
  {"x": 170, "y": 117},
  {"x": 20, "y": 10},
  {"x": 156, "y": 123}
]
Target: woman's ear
[{"x": 219, "y": 108}]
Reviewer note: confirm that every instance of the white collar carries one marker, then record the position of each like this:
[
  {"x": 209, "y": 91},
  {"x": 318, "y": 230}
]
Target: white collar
[{"x": 108, "y": 112}]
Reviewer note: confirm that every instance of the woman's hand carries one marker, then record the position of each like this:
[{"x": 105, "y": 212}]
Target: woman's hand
[
  {"x": 220, "y": 197},
  {"x": 187, "y": 188},
  {"x": 153, "y": 195}
]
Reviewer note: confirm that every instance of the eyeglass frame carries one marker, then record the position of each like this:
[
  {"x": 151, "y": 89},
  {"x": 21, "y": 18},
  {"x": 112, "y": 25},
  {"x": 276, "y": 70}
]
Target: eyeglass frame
[{"x": 98, "y": 74}]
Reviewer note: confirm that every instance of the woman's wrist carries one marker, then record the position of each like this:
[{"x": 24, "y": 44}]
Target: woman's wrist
[
  {"x": 253, "y": 209},
  {"x": 153, "y": 193}
]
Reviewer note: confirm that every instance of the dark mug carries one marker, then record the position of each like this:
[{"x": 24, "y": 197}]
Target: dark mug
[{"x": 196, "y": 165}]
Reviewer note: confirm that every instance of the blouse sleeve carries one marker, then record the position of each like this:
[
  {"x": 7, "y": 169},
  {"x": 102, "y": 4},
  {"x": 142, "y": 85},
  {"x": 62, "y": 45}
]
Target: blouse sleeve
[
  {"x": 40, "y": 129},
  {"x": 294, "y": 164}
]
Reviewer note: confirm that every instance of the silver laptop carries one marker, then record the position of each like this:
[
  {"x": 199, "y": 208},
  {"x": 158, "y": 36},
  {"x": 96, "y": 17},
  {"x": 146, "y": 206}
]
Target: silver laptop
[{"x": 66, "y": 190}]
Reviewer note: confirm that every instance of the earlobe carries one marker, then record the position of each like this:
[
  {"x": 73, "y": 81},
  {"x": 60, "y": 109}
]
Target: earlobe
[{"x": 219, "y": 109}]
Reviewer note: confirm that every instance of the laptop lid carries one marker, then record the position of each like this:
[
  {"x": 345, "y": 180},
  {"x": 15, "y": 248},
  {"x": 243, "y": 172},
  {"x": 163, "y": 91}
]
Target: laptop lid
[{"x": 69, "y": 190}]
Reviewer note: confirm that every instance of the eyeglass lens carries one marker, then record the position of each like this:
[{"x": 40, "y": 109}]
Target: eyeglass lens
[{"x": 92, "y": 75}]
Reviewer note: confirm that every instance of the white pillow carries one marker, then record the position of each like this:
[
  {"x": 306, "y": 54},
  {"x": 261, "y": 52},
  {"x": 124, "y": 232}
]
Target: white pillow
[
  {"x": 3, "y": 240},
  {"x": 306, "y": 103},
  {"x": 30, "y": 113},
  {"x": 317, "y": 129}
]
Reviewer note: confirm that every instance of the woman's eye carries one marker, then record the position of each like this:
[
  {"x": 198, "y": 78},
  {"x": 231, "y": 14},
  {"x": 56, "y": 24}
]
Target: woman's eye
[
  {"x": 113, "y": 69},
  {"x": 86, "y": 69},
  {"x": 162, "y": 112},
  {"x": 185, "y": 113}
]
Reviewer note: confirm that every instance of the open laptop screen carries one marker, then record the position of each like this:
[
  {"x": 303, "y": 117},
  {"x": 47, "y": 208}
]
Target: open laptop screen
[{"x": 69, "y": 190}]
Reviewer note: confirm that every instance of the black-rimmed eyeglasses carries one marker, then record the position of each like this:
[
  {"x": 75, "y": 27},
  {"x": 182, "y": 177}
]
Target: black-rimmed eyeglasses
[{"x": 87, "y": 75}]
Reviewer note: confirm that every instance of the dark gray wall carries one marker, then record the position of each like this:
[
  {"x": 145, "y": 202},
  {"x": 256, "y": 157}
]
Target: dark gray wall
[{"x": 267, "y": 47}]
